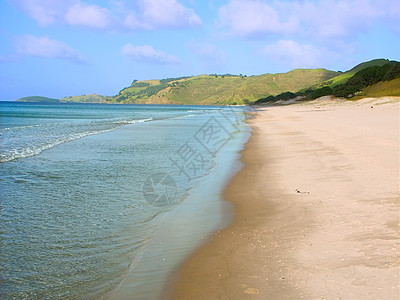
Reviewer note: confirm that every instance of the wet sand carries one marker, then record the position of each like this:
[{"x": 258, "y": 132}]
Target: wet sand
[{"x": 317, "y": 209}]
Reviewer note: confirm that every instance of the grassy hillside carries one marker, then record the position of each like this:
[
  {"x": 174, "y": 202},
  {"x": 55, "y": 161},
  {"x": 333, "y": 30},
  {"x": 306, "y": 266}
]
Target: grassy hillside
[
  {"x": 238, "y": 89},
  {"x": 37, "y": 99},
  {"x": 92, "y": 98},
  {"x": 220, "y": 89},
  {"x": 140, "y": 91},
  {"x": 371, "y": 81},
  {"x": 342, "y": 78},
  {"x": 381, "y": 89}
]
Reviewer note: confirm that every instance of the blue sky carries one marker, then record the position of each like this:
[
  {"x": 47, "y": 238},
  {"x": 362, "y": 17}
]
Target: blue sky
[{"x": 58, "y": 48}]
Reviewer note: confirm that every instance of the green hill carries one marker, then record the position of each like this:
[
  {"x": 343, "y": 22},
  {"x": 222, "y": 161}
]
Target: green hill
[
  {"x": 220, "y": 89},
  {"x": 227, "y": 89},
  {"x": 92, "y": 98},
  {"x": 381, "y": 89},
  {"x": 342, "y": 78},
  {"x": 372, "y": 80},
  {"x": 37, "y": 99}
]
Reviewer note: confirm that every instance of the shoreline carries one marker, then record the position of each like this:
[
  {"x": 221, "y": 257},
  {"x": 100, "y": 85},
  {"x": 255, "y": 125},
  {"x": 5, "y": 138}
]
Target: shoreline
[
  {"x": 185, "y": 227},
  {"x": 317, "y": 209}
]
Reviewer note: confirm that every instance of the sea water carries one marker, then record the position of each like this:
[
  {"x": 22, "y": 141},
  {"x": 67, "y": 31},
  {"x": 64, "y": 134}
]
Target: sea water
[{"x": 107, "y": 200}]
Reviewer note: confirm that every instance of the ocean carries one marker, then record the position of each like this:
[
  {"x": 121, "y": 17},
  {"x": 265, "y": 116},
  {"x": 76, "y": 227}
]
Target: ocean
[{"x": 105, "y": 201}]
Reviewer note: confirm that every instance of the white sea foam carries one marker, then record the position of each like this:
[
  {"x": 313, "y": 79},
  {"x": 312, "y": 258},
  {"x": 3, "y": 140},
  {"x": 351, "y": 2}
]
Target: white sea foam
[
  {"x": 27, "y": 141},
  {"x": 37, "y": 149}
]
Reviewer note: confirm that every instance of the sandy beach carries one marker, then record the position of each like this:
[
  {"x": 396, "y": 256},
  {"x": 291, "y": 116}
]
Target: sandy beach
[{"x": 317, "y": 209}]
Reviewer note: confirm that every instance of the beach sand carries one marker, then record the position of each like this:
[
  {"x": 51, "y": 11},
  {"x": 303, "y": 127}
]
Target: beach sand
[{"x": 317, "y": 209}]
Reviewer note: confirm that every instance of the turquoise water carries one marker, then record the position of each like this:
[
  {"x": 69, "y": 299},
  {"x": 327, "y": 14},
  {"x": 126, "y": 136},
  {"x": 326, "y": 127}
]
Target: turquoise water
[{"x": 106, "y": 200}]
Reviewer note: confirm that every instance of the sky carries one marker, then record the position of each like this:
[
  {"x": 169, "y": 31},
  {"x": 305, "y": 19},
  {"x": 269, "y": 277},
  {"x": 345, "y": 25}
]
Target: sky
[{"x": 59, "y": 48}]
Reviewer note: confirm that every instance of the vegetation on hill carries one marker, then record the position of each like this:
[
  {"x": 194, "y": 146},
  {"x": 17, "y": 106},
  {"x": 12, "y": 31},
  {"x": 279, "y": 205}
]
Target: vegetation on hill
[
  {"x": 37, "y": 99},
  {"x": 139, "y": 91},
  {"x": 220, "y": 89},
  {"x": 92, "y": 98},
  {"x": 366, "y": 76},
  {"x": 343, "y": 77},
  {"x": 381, "y": 89},
  {"x": 376, "y": 77}
]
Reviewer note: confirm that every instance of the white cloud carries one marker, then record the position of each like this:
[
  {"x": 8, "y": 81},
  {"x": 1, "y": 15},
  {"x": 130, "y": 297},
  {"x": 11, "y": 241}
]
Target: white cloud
[
  {"x": 147, "y": 53},
  {"x": 294, "y": 54},
  {"x": 138, "y": 14},
  {"x": 44, "y": 12},
  {"x": 88, "y": 15},
  {"x": 29, "y": 45},
  {"x": 155, "y": 14},
  {"x": 253, "y": 17},
  {"x": 208, "y": 52},
  {"x": 72, "y": 12},
  {"x": 321, "y": 19},
  {"x": 333, "y": 19}
]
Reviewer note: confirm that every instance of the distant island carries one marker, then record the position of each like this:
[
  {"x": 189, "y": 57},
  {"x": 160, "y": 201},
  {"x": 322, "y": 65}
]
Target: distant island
[
  {"x": 92, "y": 98},
  {"x": 38, "y": 99},
  {"x": 375, "y": 78}
]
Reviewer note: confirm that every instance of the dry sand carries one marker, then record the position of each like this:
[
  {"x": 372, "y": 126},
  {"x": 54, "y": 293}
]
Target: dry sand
[{"x": 317, "y": 209}]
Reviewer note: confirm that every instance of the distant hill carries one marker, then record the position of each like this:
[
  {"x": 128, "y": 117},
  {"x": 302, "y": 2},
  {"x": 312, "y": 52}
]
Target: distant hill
[
  {"x": 220, "y": 89},
  {"x": 225, "y": 89},
  {"x": 37, "y": 99},
  {"x": 92, "y": 98}
]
